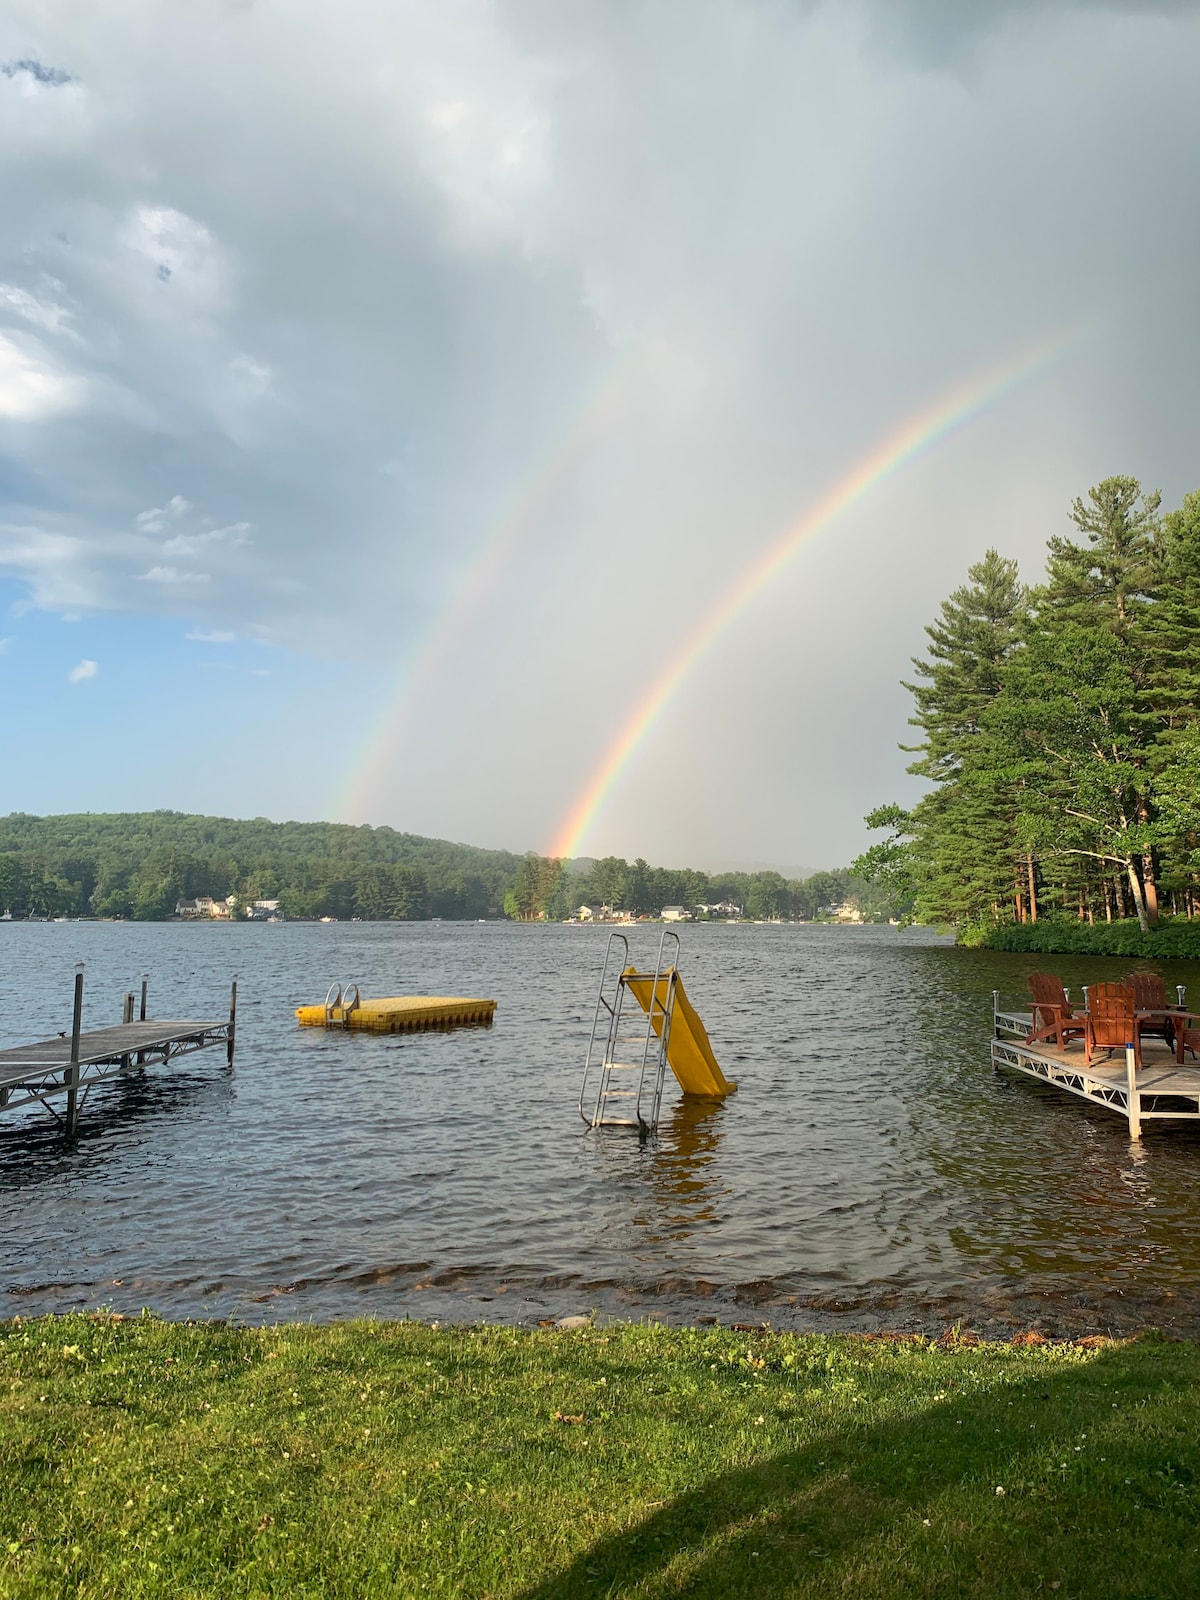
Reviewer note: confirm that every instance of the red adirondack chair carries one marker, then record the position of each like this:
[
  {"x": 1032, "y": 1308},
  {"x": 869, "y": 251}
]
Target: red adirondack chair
[
  {"x": 1053, "y": 1015},
  {"x": 1150, "y": 994},
  {"x": 1111, "y": 1024}
]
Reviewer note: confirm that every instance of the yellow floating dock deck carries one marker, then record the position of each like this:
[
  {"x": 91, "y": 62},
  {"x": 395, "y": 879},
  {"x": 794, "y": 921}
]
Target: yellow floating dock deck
[{"x": 412, "y": 1013}]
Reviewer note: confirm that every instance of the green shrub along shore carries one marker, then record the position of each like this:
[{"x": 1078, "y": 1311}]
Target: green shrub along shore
[
  {"x": 1174, "y": 940},
  {"x": 147, "y": 1458}
]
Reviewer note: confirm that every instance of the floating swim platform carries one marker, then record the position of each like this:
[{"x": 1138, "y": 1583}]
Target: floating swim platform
[{"x": 411, "y": 1013}]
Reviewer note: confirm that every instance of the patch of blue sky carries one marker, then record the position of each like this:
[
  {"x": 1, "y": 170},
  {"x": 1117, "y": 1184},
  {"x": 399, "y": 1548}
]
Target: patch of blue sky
[{"x": 115, "y": 713}]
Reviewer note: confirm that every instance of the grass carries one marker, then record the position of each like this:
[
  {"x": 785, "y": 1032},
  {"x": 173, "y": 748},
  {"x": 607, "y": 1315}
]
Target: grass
[{"x": 149, "y": 1458}]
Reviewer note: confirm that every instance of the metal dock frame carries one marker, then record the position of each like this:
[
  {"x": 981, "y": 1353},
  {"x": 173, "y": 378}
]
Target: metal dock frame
[
  {"x": 644, "y": 1048},
  {"x": 72, "y": 1064},
  {"x": 1113, "y": 1086}
]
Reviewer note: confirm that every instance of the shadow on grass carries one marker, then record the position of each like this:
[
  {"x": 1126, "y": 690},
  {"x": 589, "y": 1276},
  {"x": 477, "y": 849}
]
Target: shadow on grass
[{"x": 909, "y": 1507}]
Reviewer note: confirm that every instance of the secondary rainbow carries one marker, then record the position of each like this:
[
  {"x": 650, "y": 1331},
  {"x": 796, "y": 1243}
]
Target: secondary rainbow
[
  {"x": 911, "y": 440},
  {"x": 493, "y": 555}
]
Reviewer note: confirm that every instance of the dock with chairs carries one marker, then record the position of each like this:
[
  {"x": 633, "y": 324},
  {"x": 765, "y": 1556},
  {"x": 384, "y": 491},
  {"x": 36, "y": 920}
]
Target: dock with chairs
[
  {"x": 1125, "y": 1048},
  {"x": 59, "y": 1074}
]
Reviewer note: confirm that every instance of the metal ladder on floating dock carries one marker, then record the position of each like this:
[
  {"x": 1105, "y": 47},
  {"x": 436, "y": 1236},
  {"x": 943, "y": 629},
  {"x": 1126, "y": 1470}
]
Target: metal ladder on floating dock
[
  {"x": 340, "y": 1002},
  {"x": 635, "y": 1042}
]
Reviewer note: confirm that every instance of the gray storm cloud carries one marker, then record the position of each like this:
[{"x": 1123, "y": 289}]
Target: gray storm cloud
[{"x": 613, "y": 293}]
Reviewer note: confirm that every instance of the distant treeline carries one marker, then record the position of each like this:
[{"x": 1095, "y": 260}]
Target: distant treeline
[{"x": 141, "y": 864}]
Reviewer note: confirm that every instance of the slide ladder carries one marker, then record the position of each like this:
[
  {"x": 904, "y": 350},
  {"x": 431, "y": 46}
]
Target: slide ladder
[
  {"x": 623, "y": 1077},
  {"x": 664, "y": 1031}
]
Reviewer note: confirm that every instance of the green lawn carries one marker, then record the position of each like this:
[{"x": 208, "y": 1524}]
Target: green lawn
[{"x": 150, "y": 1458}]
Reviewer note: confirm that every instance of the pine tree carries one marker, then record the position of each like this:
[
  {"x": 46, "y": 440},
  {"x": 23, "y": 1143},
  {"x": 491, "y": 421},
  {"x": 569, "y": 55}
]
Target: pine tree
[
  {"x": 1070, "y": 713},
  {"x": 1106, "y": 586},
  {"x": 1170, "y": 634},
  {"x": 961, "y": 860},
  {"x": 1108, "y": 580},
  {"x": 1170, "y": 629},
  {"x": 968, "y": 647}
]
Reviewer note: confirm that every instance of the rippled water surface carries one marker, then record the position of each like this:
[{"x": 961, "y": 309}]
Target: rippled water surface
[{"x": 872, "y": 1171}]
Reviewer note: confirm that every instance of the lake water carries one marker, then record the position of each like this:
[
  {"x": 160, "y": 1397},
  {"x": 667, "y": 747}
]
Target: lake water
[{"x": 872, "y": 1172}]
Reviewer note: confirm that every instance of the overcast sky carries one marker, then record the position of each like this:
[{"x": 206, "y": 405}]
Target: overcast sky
[{"x": 387, "y": 391}]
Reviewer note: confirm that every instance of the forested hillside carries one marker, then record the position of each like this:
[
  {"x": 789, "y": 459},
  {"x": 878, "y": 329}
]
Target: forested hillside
[
  {"x": 1060, "y": 732},
  {"x": 141, "y": 864}
]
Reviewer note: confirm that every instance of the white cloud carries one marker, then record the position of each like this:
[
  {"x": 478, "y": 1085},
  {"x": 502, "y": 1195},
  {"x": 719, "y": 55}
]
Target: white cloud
[
  {"x": 86, "y": 669},
  {"x": 53, "y": 564},
  {"x": 32, "y": 385},
  {"x": 210, "y": 636},
  {"x": 231, "y": 536},
  {"x": 162, "y": 574},
  {"x": 181, "y": 250},
  {"x": 157, "y": 517},
  {"x": 44, "y": 314},
  {"x": 449, "y": 114},
  {"x": 254, "y": 375},
  {"x": 4, "y": 644}
]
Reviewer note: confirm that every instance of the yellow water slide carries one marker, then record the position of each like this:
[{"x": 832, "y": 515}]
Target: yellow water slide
[{"x": 689, "y": 1053}]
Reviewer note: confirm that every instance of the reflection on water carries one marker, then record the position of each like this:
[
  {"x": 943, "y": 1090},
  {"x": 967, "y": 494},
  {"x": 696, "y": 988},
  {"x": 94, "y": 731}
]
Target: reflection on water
[{"x": 872, "y": 1171}]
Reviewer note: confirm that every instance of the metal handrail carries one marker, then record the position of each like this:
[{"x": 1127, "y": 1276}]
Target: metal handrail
[
  {"x": 614, "y": 1012},
  {"x": 349, "y": 1005},
  {"x": 660, "y": 1006}
]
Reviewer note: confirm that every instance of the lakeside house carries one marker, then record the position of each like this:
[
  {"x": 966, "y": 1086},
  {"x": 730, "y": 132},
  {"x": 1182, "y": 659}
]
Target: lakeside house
[
  {"x": 605, "y": 913},
  {"x": 205, "y": 906},
  {"x": 722, "y": 908},
  {"x": 676, "y": 914}
]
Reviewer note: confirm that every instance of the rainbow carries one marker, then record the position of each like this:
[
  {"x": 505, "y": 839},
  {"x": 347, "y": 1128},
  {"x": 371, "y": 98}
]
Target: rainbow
[
  {"x": 449, "y": 625},
  {"x": 908, "y": 442}
]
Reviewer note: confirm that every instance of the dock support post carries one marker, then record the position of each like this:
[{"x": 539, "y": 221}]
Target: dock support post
[
  {"x": 126, "y": 1019},
  {"x": 73, "y": 1066},
  {"x": 1132, "y": 1097},
  {"x": 141, "y": 1056},
  {"x": 232, "y": 1024}
]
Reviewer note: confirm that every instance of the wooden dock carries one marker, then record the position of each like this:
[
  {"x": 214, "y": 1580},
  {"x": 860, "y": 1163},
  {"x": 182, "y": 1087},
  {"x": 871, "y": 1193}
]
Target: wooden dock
[
  {"x": 1161, "y": 1091},
  {"x": 71, "y": 1064}
]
